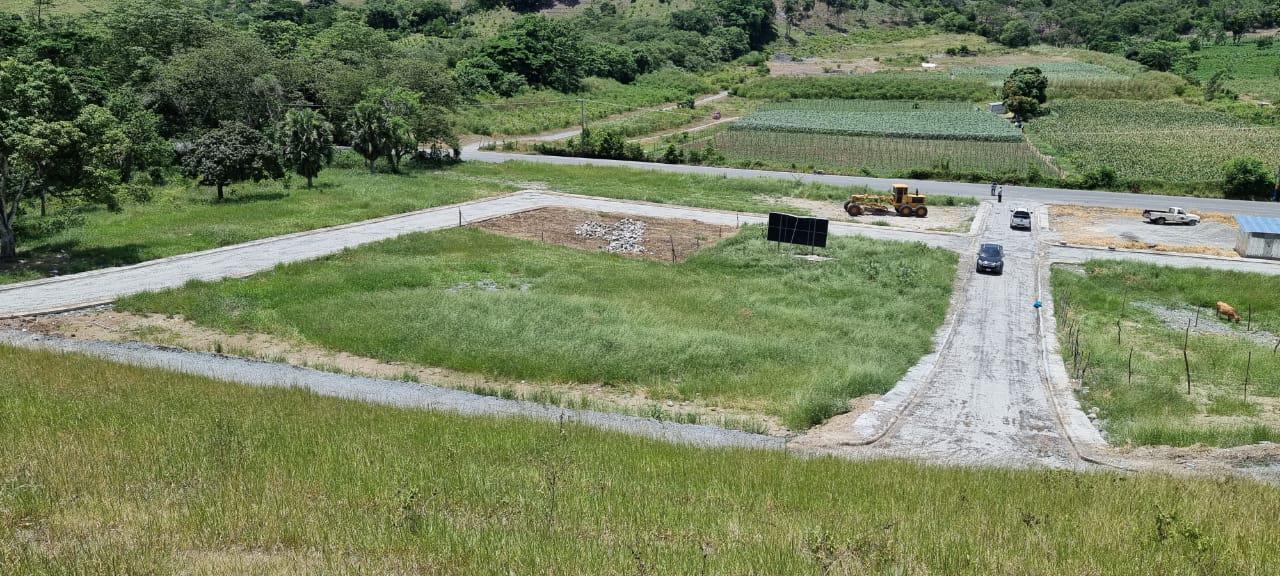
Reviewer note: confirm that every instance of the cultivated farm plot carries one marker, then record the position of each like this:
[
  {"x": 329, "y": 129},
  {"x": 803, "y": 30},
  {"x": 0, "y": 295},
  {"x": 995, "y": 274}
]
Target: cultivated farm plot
[
  {"x": 1163, "y": 141},
  {"x": 995, "y": 74},
  {"x": 879, "y": 155},
  {"x": 900, "y": 119},
  {"x": 881, "y": 136},
  {"x": 741, "y": 324}
]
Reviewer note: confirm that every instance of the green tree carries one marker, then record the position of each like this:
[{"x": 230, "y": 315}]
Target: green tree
[
  {"x": 370, "y": 129},
  {"x": 1246, "y": 178},
  {"x": 1213, "y": 86},
  {"x": 142, "y": 32},
  {"x": 1016, "y": 34},
  {"x": 1023, "y": 108},
  {"x": 1161, "y": 54},
  {"x": 755, "y": 17},
  {"x": 229, "y": 154},
  {"x": 1029, "y": 82},
  {"x": 50, "y": 143},
  {"x": 230, "y": 78},
  {"x": 143, "y": 146},
  {"x": 306, "y": 142},
  {"x": 546, "y": 52}
]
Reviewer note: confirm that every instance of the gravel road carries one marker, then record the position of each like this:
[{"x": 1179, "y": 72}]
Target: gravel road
[
  {"x": 107, "y": 285},
  {"x": 986, "y": 401},
  {"x": 389, "y": 392}
]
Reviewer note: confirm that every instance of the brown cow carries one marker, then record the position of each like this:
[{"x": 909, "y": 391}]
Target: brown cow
[{"x": 1226, "y": 310}]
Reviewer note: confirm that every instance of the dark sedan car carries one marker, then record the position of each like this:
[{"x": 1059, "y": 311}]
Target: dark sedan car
[{"x": 991, "y": 258}]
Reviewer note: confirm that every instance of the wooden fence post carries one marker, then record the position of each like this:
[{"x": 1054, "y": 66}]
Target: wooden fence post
[
  {"x": 1130, "y": 366},
  {"x": 1186, "y": 360}
]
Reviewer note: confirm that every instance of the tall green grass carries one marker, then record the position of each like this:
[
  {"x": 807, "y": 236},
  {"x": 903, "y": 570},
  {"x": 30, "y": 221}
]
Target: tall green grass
[
  {"x": 109, "y": 469},
  {"x": 1155, "y": 408},
  {"x": 741, "y": 324}
]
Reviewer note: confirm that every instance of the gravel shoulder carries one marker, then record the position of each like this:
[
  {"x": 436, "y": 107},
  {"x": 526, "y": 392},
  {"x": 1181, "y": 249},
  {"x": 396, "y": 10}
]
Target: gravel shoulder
[{"x": 377, "y": 391}]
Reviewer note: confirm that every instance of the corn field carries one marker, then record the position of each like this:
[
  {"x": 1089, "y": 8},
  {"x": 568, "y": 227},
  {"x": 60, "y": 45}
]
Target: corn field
[
  {"x": 1166, "y": 141},
  {"x": 879, "y": 154}
]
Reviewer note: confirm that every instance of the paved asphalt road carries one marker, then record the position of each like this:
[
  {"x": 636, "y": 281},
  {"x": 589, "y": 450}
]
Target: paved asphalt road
[{"x": 1012, "y": 194}]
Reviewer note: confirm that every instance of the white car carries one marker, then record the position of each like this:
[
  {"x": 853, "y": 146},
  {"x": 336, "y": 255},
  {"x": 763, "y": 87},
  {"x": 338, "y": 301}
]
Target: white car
[{"x": 1021, "y": 219}]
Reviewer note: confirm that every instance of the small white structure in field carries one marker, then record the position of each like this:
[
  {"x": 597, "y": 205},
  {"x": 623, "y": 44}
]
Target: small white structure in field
[
  {"x": 996, "y": 108},
  {"x": 928, "y": 65},
  {"x": 1259, "y": 237}
]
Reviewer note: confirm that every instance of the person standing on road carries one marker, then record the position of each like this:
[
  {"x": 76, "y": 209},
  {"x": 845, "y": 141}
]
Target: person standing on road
[{"x": 1000, "y": 195}]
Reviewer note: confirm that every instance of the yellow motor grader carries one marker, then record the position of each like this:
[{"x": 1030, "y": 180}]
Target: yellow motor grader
[{"x": 900, "y": 201}]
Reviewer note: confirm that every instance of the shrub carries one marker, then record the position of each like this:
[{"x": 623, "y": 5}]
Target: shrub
[{"x": 1246, "y": 178}]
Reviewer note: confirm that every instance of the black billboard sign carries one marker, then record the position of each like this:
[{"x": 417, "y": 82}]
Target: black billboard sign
[{"x": 797, "y": 230}]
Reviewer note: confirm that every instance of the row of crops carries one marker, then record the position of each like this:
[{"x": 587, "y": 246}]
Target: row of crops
[
  {"x": 995, "y": 74},
  {"x": 877, "y": 154},
  {"x": 1166, "y": 141},
  {"x": 924, "y": 120}
]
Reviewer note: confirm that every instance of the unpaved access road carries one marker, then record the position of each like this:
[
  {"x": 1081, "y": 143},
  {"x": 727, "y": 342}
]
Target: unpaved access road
[
  {"x": 981, "y": 398},
  {"x": 109, "y": 284}
]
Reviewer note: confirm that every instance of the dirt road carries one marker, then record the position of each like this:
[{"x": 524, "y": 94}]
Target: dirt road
[{"x": 985, "y": 401}]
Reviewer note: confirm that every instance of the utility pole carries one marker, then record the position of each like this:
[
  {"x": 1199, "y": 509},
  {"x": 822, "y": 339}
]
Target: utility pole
[{"x": 582, "y": 122}]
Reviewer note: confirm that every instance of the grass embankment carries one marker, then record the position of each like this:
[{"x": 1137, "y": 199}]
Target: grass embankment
[
  {"x": 1155, "y": 408},
  {"x": 161, "y": 474},
  {"x": 740, "y": 324}
]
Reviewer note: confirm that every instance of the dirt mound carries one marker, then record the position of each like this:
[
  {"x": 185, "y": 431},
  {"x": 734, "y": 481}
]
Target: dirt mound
[{"x": 660, "y": 239}]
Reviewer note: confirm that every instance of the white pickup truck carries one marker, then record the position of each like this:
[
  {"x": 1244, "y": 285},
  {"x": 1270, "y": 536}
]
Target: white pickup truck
[{"x": 1171, "y": 216}]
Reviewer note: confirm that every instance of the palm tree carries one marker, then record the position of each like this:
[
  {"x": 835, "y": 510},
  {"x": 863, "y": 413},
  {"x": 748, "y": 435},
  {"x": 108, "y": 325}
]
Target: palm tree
[{"x": 307, "y": 142}]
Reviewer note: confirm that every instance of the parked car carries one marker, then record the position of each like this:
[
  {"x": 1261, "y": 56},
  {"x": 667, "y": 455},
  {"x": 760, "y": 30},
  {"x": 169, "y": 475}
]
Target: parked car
[
  {"x": 991, "y": 259},
  {"x": 1173, "y": 215},
  {"x": 1021, "y": 220}
]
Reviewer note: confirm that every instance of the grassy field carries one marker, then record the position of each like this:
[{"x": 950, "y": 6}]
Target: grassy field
[
  {"x": 893, "y": 118},
  {"x": 184, "y": 218},
  {"x": 543, "y": 110},
  {"x": 155, "y": 473},
  {"x": 1159, "y": 141},
  {"x": 1155, "y": 408},
  {"x": 740, "y": 324},
  {"x": 1250, "y": 70}
]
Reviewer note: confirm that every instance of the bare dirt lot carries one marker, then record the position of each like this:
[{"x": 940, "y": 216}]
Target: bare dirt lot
[
  {"x": 660, "y": 239},
  {"x": 1125, "y": 229},
  {"x": 107, "y": 325},
  {"x": 940, "y": 219}
]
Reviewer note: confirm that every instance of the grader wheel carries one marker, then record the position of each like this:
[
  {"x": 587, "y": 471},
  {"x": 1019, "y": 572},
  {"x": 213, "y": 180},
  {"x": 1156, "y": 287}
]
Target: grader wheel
[
  {"x": 922, "y": 211},
  {"x": 853, "y": 208},
  {"x": 904, "y": 211}
]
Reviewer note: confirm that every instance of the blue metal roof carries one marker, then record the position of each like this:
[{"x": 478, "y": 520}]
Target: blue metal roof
[{"x": 1261, "y": 224}]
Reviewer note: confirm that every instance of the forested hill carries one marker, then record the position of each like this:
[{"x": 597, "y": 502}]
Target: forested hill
[{"x": 198, "y": 63}]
